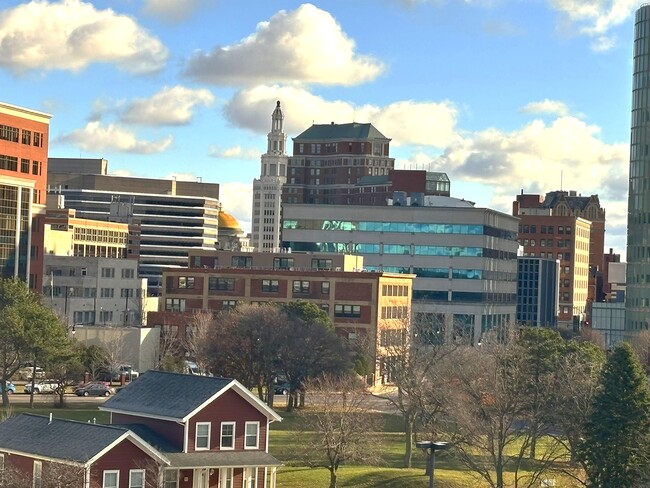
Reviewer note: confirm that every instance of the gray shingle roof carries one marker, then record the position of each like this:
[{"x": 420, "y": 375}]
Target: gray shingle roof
[
  {"x": 222, "y": 459},
  {"x": 165, "y": 394},
  {"x": 60, "y": 439},
  {"x": 319, "y": 132}
]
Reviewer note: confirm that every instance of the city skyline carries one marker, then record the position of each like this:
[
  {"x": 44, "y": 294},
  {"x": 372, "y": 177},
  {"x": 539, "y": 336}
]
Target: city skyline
[{"x": 501, "y": 95}]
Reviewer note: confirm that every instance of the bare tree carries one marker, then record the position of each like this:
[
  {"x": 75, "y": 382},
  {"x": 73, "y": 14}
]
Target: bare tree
[
  {"x": 13, "y": 477},
  {"x": 171, "y": 352},
  {"x": 344, "y": 428},
  {"x": 641, "y": 345},
  {"x": 490, "y": 413},
  {"x": 59, "y": 475},
  {"x": 115, "y": 355},
  {"x": 197, "y": 336}
]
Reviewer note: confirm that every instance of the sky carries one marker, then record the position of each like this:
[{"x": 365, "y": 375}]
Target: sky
[{"x": 502, "y": 95}]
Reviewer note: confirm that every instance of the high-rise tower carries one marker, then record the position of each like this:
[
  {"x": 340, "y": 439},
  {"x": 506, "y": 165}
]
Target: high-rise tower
[
  {"x": 637, "y": 301},
  {"x": 267, "y": 190}
]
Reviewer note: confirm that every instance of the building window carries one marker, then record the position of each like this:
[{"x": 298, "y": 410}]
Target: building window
[
  {"x": 37, "y": 474},
  {"x": 111, "y": 479},
  {"x": 170, "y": 478},
  {"x": 321, "y": 264},
  {"x": 38, "y": 139},
  {"x": 175, "y": 304},
  {"x": 36, "y": 168},
  {"x": 252, "y": 435},
  {"x": 108, "y": 292},
  {"x": 126, "y": 293},
  {"x": 347, "y": 310},
  {"x": 9, "y": 133},
  {"x": 250, "y": 477},
  {"x": 136, "y": 478},
  {"x": 223, "y": 284},
  {"x": 325, "y": 287},
  {"x": 228, "y": 304},
  {"x": 108, "y": 272},
  {"x": 242, "y": 262},
  {"x": 283, "y": 263},
  {"x": 270, "y": 285},
  {"x": 27, "y": 137},
  {"x": 128, "y": 273},
  {"x": 24, "y": 165},
  {"x": 226, "y": 477},
  {"x": 202, "y": 441},
  {"x": 227, "y": 435},
  {"x": 186, "y": 282},
  {"x": 300, "y": 286}
]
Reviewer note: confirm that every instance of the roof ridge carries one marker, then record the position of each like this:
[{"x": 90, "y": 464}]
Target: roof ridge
[{"x": 73, "y": 421}]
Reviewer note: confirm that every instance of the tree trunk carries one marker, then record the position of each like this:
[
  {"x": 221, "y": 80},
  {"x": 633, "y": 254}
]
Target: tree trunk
[
  {"x": 332, "y": 478},
  {"x": 290, "y": 401},
  {"x": 533, "y": 442},
  {"x": 302, "y": 399},
  {"x": 31, "y": 393},
  {"x": 408, "y": 451}
]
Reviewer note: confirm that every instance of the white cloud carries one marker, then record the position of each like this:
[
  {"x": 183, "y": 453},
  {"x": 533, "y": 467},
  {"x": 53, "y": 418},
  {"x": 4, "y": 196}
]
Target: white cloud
[
  {"x": 96, "y": 137},
  {"x": 546, "y": 106},
  {"x": 234, "y": 152},
  {"x": 305, "y": 45},
  {"x": 71, "y": 34},
  {"x": 171, "y": 11},
  {"x": 595, "y": 18},
  {"x": 406, "y": 122},
  {"x": 170, "y": 106},
  {"x": 237, "y": 199}
]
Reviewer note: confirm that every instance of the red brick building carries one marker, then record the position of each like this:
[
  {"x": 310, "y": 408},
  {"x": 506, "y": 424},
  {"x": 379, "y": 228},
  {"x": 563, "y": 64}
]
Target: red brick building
[{"x": 24, "y": 135}]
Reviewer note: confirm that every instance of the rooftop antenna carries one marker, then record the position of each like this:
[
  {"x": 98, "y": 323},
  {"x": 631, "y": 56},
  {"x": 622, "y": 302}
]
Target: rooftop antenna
[{"x": 561, "y": 178}]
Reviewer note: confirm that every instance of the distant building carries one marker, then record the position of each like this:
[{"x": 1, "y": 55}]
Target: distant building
[
  {"x": 267, "y": 190},
  {"x": 363, "y": 306},
  {"x": 24, "y": 136},
  {"x": 610, "y": 259},
  {"x": 537, "y": 291},
  {"x": 571, "y": 229},
  {"x": 464, "y": 258},
  {"x": 174, "y": 216}
]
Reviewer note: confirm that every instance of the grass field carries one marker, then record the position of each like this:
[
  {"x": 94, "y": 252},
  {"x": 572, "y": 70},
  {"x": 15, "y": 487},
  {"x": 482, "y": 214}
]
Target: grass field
[{"x": 285, "y": 442}]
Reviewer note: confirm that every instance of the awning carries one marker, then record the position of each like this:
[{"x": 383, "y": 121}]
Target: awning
[{"x": 221, "y": 459}]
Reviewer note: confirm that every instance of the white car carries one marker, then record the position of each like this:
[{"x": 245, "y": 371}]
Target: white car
[
  {"x": 25, "y": 373},
  {"x": 44, "y": 386}
]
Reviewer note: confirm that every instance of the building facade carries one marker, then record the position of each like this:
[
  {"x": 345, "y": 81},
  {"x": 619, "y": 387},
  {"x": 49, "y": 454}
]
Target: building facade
[
  {"x": 538, "y": 283},
  {"x": 174, "y": 216},
  {"x": 551, "y": 229},
  {"x": 464, "y": 258},
  {"x": 371, "y": 308},
  {"x": 638, "y": 224},
  {"x": 267, "y": 190},
  {"x": 329, "y": 160},
  {"x": 24, "y": 136}
]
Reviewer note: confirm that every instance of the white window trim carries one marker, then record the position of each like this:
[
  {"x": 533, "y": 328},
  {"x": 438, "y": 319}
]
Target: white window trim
[
  {"x": 37, "y": 474},
  {"x": 221, "y": 446},
  {"x": 196, "y": 436},
  {"x": 257, "y": 437},
  {"x": 250, "y": 477},
  {"x": 111, "y": 471},
  {"x": 2, "y": 461},
  {"x": 132, "y": 472},
  {"x": 225, "y": 475}
]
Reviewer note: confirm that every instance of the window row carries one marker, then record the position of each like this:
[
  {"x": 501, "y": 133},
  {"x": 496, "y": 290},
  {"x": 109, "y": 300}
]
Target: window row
[
  {"x": 9, "y": 133},
  {"x": 203, "y": 436},
  {"x": 394, "y": 290}
]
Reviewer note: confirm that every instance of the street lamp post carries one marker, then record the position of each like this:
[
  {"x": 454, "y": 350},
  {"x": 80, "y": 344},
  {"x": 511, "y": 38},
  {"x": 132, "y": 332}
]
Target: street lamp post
[
  {"x": 68, "y": 291},
  {"x": 431, "y": 447}
]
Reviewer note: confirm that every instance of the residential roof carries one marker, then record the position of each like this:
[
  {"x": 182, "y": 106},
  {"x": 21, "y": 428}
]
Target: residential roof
[
  {"x": 217, "y": 459},
  {"x": 165, "y": 394},
  {"x": 59, "y": 438},
  {"x": 354, "y": 130},
  {"x": 573, "y": 201}
]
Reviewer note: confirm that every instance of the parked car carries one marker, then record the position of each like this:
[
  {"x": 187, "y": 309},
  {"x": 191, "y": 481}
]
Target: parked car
[
  {"x": 94, "y": 389},
  {"x": 282, "y": 388},
  {"x": 127, "y": 370},
  {"x": 11, "y": 388},
  {"x": 44, "y": 386}
]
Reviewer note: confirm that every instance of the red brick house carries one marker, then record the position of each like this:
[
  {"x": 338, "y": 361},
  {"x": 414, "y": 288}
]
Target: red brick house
[{"x": 167, "y": 429}]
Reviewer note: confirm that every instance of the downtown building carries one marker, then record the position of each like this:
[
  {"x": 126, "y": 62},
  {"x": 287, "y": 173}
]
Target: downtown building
[
  {"x": 464, "y": 258},
  {"x": 569, "y": 228},
  {"x": 174, "y": 216},
  {"x": 637, "y": 302},
  {"x": 24, "y": 135},
  {"x": 267, "y": 190}
]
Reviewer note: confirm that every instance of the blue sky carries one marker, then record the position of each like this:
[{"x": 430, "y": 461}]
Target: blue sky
[{"x": 502, "y": 95}]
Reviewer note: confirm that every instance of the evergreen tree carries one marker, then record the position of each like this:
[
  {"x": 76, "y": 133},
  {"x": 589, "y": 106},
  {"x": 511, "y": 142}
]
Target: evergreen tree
[{"x": 617, "y": 433}]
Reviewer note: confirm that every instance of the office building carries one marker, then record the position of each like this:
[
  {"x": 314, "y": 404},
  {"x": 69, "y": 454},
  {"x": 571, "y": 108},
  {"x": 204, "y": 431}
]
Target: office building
[
  {"x": 267, "y": 190},
  {"x": 464, "y": 258},
  {"x": 372, "y": 308},
  {"x": 557, "y": 227},
  {"x": 538, "y": 282},
  {"x": 24, "y": 135},
  {"x": 637, "y": 303},
  {"x": 174, "y": 216}
]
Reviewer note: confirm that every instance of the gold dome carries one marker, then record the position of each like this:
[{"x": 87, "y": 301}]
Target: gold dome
[{"x": 227, "y": 221}]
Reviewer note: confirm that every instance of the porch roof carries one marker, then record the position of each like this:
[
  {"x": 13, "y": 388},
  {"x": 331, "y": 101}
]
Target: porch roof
[{"x": 221, "y": 459}]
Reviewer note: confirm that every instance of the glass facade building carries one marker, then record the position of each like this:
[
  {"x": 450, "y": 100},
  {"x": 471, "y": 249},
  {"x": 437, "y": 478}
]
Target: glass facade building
[{"x": 638, "y": 226}]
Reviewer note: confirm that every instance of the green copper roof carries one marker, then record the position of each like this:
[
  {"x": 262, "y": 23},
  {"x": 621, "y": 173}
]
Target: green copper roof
[{"x": 319, "y": 132}]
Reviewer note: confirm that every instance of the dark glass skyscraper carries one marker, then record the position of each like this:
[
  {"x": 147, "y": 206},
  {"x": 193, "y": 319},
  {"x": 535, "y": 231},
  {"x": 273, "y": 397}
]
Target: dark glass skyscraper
[{"x": 638, "y": 225}]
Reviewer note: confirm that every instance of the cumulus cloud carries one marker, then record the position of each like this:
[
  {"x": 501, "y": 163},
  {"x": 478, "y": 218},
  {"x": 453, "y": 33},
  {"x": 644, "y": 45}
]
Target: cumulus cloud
[
  {"x": 171, "y": 11},
  {"x": 170, "y": 106},
  {"x": 406, "y": 122},
  {"x": 236, "y": 199},
  {"x": 305, "y": 45},
  {"x": 71, "y": 34},
  {"x": 96, "y": 137},
  {"x": 234, "y": 152},
  {"x": 546, "y": 106}
]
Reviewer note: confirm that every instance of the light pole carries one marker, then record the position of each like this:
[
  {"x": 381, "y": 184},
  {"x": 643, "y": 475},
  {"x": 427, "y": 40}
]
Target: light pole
[
  {"x": 68, "y": 291},
  {"x": 431, "y": 447}
]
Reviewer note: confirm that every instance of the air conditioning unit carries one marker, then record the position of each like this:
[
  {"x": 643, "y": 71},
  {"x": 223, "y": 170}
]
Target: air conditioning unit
[
  {"x": 399, "y": 198},
  {"x": 417, "y": 199}
]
